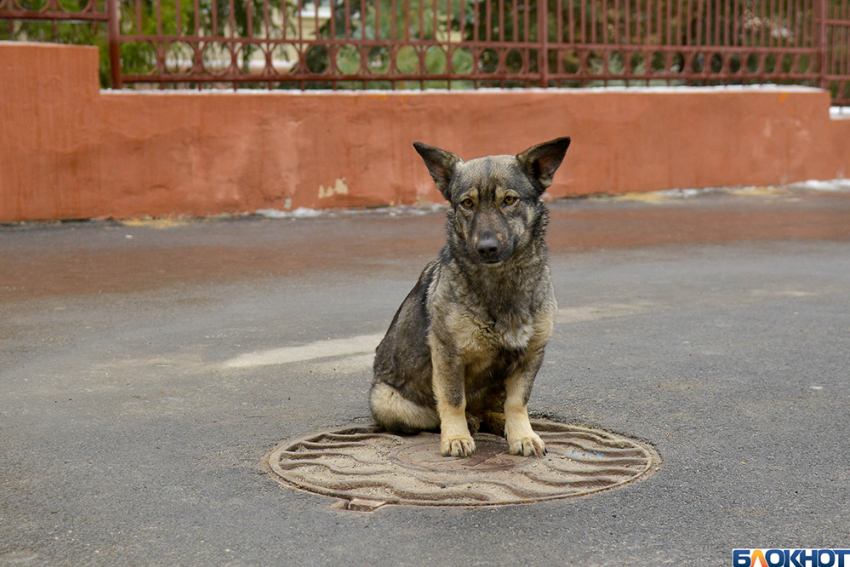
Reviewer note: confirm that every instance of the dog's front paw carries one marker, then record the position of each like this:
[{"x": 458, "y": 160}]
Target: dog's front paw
[
  {"x": 457, "y": 446},
  {"x": 530, "y": 445}
]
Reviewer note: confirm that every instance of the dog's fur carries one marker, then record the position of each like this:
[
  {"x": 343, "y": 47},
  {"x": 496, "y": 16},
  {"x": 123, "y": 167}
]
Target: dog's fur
[{"x": 466, "y": 344}]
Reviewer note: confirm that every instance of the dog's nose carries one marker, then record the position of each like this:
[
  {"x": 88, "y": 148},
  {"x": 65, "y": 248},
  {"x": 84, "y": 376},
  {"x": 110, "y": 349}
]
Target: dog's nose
[{"x": 488, "y": 247}]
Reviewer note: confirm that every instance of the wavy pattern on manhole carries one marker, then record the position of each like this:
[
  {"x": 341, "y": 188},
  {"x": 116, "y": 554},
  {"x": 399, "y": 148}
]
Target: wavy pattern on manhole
[{"x": 364, "y": 464}]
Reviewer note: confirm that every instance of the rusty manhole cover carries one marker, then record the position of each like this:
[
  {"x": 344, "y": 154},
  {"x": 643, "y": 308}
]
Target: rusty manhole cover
[{"x": 367, "y": 467}]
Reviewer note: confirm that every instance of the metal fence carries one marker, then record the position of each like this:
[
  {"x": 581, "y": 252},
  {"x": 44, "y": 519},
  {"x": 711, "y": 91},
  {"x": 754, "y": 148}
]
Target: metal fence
[
  {"x": 54, "y": 10},
  {"x": 401, "y": 44}
]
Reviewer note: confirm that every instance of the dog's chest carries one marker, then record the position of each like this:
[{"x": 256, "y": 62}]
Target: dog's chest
[{"x": 479, "y": 338}]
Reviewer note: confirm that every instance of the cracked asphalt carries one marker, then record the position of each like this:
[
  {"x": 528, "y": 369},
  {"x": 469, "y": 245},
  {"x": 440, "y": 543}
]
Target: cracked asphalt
[{"x": 147, "y": 369}]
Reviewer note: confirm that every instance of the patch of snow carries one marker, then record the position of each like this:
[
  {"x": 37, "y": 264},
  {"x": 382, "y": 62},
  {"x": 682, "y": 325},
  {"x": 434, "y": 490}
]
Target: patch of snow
[
  {"x": 816, "y": 185},
  {"x": 839, "y": 112},
  {"x": 682, "y": 192},
  {"x": 272, "y": 213},
  {"x": 305, "y": 213},
  {"x": 299, "y": 213},
  {"x": 396, "y": 211}
]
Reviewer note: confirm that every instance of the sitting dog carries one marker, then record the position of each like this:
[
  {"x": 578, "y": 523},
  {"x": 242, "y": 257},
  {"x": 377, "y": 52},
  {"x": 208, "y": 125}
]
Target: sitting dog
[{"x": 465, "y": 346}]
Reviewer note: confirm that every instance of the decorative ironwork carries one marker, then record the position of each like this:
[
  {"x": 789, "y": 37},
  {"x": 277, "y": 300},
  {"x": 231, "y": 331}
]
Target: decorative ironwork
[
  {"x": 835, "y": 49},
  {"x": 91, "y": 11},
  {"x": 402, "y": 44}
]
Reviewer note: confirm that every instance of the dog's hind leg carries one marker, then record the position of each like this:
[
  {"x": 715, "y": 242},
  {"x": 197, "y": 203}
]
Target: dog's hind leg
[
  {"x": 493, "y": 422},
  {"x": 396, "y": 413},
  {"x": 486, "y": 414},
  {"x": 473, "y": 422}
]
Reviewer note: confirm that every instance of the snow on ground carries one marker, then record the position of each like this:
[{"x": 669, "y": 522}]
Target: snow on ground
[{"x": 833, "y": 185}]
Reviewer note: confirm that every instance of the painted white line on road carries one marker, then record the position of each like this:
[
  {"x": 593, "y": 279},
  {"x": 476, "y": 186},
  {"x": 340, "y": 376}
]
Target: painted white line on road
[
  {"x": 366, "y": 344},
  {"x": 361, "y": 349},
  {"x": 361, "y": 344}
]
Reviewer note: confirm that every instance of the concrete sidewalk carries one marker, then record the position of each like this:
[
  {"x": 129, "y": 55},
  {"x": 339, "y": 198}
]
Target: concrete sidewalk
[{"x": 147, "y": 369}]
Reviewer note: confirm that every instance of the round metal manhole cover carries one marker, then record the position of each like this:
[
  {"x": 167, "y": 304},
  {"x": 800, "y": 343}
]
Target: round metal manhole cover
[{"x": 368, "y": 467}]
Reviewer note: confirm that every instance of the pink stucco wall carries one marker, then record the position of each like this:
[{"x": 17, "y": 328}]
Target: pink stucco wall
[{"x": 69, "y": 150}]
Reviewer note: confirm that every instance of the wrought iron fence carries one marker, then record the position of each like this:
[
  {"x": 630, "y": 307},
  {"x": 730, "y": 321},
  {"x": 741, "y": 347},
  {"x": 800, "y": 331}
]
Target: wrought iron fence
[
  {"x": 54, "y": 10},
  {"x": 401, "y": 44},
  {"x": 834, "y": 21}
]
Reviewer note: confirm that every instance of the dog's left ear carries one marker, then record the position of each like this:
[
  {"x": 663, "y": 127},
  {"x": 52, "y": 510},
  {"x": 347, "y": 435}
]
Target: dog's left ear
[
  {"x": 541, "y": 161},
  {"x": 441, "y": 165}
]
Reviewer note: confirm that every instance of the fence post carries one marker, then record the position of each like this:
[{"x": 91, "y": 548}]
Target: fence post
[
  {"x": 113, "y": 30},
  {"x": 543, "y": 40},
  {"x": 821, "y": 10}
]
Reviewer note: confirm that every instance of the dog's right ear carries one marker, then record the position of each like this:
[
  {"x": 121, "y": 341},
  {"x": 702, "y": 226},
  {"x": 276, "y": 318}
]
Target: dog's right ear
[{"x": 441, "y": 165}]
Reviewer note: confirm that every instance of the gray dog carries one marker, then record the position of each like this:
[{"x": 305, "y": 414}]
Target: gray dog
[{"x": 465, "y": 346}]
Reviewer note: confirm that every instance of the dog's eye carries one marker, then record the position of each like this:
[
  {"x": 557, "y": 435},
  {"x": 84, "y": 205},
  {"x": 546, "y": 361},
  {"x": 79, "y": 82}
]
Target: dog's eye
[
  {"x": 510, "y": 200},
  {"x": 467, "y": 203}
]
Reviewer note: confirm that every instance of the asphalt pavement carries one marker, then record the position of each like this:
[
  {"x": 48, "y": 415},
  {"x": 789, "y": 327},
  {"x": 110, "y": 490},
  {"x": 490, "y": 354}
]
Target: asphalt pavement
[{"x": 148, "y": 368}]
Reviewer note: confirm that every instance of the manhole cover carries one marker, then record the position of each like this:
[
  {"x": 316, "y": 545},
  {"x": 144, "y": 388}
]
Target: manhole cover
[{"x": 369, "y": 468}]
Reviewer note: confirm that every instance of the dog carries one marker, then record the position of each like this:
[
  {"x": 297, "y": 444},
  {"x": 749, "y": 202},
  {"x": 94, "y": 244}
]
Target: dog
[{"x": 462, "y": 351}]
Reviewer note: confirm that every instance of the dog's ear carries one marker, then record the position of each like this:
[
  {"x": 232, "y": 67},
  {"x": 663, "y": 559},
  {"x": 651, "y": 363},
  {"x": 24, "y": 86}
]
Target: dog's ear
[
  {"x": 441, "y": 165},
  {"x": 541, "y": 161}
]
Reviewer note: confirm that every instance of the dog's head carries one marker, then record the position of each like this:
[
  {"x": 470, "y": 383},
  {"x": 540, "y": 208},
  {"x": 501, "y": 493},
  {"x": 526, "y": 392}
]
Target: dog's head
[{"x": 495, "y": 200}]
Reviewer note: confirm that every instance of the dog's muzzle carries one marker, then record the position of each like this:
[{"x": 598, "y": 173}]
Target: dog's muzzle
[{"x": 490, "y": 250}]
